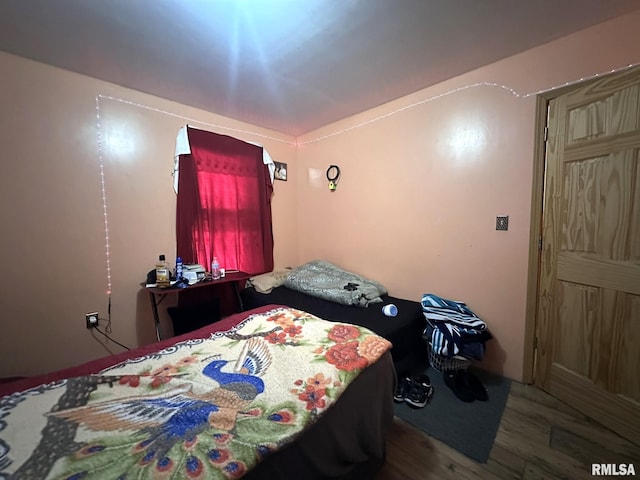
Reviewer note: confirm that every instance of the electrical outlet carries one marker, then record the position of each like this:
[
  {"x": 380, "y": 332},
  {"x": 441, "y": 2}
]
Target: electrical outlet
[{"x": 91, "y": 319}]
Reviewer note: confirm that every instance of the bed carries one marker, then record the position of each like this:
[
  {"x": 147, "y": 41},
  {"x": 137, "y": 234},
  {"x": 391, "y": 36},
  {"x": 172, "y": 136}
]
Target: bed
[
  {"x": 404, "y": 330},
  {"x": 273, "y": 392}
]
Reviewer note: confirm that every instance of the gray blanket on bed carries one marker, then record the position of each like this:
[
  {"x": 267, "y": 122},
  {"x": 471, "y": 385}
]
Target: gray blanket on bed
[{"x": 324, "y": 280}]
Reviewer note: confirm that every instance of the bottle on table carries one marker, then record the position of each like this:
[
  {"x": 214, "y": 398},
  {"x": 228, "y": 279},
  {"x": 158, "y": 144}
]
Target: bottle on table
[
  {"x": 163, "y": 275},
  {"x": 178, "y": 269},
  {"x": 215, "y": 269}
]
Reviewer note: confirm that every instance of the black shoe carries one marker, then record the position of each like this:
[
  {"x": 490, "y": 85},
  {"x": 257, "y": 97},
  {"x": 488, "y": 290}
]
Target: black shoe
[
  {"x": 418, "y": 395},
  {"x": 475, "y": 386},
  {"x": 423, "y": 380},
  {"x": 456, "y": 382},
  {"x": 403, "y": 387}
]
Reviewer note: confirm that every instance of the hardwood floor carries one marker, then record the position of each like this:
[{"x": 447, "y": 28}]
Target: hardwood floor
[{"x": 539, "y": 438}]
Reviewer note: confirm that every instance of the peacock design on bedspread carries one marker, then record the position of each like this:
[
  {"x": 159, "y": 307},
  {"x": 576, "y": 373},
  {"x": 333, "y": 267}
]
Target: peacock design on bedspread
[
  {"x": 206, "y": 408},
  {"x": 180, "y": 414}
]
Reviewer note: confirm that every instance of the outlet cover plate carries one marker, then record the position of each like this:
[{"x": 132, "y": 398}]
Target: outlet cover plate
[{"x": 91, "y": 319}]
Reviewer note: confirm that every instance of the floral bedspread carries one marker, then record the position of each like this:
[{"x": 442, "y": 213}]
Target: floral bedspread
[{"x": 206, "y": 408}]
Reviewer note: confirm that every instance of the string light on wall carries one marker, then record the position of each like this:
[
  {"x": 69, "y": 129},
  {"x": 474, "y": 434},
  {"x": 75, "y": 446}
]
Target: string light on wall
[
  {"x": 189, "y": 119},
  {"x": 460, "y": 89},
  {"x": 100, "y": 143},
  {"x": 103, "y": 190}
]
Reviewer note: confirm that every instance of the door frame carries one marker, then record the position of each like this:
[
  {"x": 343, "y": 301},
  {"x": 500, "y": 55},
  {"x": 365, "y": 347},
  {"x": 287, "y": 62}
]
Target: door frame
[
  {"x": 535, "y": 231},
  {"x": 535, "y": 234}
]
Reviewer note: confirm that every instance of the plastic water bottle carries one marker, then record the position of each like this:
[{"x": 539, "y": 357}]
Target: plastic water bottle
[
  {"x": 215, "y": 269},
  {"x": 178, "y": 269}
]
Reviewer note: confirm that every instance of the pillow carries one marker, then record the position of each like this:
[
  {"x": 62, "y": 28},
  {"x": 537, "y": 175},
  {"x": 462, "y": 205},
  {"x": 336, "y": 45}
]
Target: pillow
[{"x": 266, "y": 282}]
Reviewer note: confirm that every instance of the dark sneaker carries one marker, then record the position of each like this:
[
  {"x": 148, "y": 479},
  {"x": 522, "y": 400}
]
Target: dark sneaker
[
  {"x": 422, "y": 380},
  {"x": 418, "y": 395},
  {"x": 456, "y": 382},
  {"x": 403, "y": 387},
  {"x": 474, "y": 385}
]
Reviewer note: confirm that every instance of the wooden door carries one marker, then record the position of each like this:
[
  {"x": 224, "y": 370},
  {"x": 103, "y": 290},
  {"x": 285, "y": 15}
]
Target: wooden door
[{"x": 588, "y": 328}]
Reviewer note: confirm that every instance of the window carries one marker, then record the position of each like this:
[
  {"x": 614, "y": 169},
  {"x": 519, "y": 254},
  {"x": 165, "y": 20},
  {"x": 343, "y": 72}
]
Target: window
[{"x": 224, "y": 204}]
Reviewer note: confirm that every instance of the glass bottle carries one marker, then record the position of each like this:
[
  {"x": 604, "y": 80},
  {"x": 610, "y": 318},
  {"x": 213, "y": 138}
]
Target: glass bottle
[{"x": 163, "y": 278}]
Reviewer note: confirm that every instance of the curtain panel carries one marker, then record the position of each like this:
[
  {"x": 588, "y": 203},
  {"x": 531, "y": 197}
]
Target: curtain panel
[{"x": 224, "y": 204}]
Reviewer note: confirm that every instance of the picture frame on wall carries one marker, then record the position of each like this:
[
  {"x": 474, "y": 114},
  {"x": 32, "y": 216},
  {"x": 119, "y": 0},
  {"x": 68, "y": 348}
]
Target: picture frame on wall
[{"x": 281, "y": 171}]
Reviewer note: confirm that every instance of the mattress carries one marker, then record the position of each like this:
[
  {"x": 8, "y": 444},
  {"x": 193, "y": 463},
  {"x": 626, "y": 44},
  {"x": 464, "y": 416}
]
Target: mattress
[{"x": 404, "y": 330}]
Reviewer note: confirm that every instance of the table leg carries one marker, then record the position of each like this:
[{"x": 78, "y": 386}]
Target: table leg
[
  {"x": 156, "y": 317},
  {"x": 237, "y": 291}
]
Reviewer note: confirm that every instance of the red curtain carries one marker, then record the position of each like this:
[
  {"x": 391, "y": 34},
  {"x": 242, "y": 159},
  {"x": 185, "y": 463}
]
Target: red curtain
[{"x": 224, "y": 204}]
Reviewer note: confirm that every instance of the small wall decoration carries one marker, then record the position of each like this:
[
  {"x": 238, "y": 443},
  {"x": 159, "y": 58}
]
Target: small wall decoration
[
  {"x": 281, "y": 171},
  {"x": 333, "y": 175}
]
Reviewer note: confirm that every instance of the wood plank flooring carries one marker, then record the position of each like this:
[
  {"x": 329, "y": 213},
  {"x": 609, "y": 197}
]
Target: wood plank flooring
[{"x": 539, "y": 438}]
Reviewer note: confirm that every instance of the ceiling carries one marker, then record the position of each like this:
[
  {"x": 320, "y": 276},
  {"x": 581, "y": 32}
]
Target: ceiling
[{"x": 288, "y": 65}]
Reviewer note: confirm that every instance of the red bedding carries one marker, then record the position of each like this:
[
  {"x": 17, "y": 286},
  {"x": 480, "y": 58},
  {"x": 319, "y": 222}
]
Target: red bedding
[{"x": 345, "y": 440}]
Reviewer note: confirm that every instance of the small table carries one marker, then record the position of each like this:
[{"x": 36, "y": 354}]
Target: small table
[{"x": 157, "y": 294}]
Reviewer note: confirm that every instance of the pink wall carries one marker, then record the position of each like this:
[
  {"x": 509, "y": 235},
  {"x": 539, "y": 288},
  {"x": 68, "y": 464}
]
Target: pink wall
[
  {"x": 415, "y": 207},
  {"x": 51, "y": 209},
  {"x": 424, "y": 177}
]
